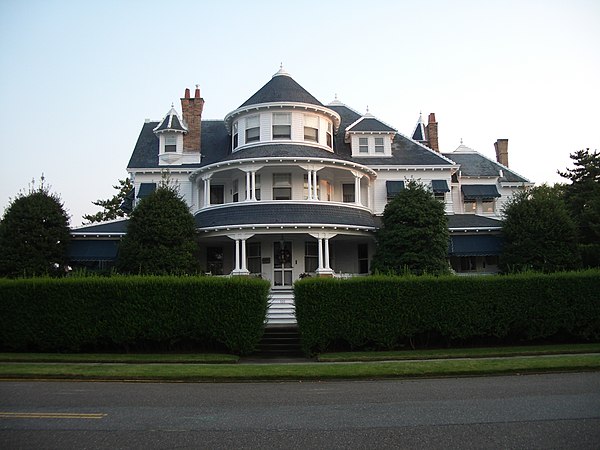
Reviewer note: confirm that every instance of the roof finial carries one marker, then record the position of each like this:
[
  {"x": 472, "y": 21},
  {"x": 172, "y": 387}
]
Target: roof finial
[
  {"x": 367, "y": 109},
  {"x": 336, "y": 96},
  {"x": 281, "y": 65},
  {"x": 172, "y": 105},
  {"x": 461, "y": 141}
]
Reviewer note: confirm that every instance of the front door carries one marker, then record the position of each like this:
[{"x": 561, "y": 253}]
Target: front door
[{"x": 282, "y": 267}]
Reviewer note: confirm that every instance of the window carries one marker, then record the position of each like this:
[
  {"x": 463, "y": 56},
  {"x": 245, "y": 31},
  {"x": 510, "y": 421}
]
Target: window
[
  {"x": 488, "y": 205},
  {"x": 235, "y": 196},
  {"x": 311, "y": 128},
  {"x": 363, "y": 258},
  {"x": 441, "y": 196},
  {"x": 254, "y": 258},
  {"x": 170, "y": 144},
  {"x": 329, "y": 135},
  {"x": 252, "y": 129},
  {"x": 214, "y": 260},
  {"x": 217, "y": 194},
  {"x": 235, "y": 134},
  {"x": 311, "y": 256},
  {"x": 348, "y": 193},
  {"x": 282, "y": 186},
  {"x": 282, "y": 126},
  {"x": 470, "y": 205},
  {"x": 363, "y": 145},
  {"x": 379, "y": 145}
]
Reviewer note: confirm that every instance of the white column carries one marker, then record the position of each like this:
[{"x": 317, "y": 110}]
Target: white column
[
  {"x": 320, "y": 246},
  {"x": 253, "y": 185},
  {"x": 243, "y": 244},
  {"x": 237, "y": 256},
  {"x": 310, "y": 196},
  {"x": 207, "y": 192},
  {"x": 316, "y": 194},
  {"x": 326, "y": 243},
  {"x": 248, "y": 187},
  {"x": 357, "y": 199}
]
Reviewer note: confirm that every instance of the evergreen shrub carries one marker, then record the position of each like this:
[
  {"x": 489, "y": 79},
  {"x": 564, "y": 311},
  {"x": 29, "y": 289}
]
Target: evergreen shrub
[
  {"x": 74, "y": 314},
  {"x": 386, "y": 312}
]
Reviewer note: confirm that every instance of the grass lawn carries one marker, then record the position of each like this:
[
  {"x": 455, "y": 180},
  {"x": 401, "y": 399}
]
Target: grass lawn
[
  {"x": 308, "y": 371},
  {"x": 461, "y": 353}
]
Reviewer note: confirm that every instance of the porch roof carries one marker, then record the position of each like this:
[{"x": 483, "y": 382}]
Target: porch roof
[{"x": 310, "y": 214}]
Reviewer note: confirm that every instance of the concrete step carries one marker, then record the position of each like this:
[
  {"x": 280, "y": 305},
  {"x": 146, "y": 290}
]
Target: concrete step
[{"x": 280, "y": 340}]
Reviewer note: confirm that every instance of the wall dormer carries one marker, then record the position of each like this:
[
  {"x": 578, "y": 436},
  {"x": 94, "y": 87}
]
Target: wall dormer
[
  {"x": 370, "y": 137},
  {"x": 170, "y": 132}
]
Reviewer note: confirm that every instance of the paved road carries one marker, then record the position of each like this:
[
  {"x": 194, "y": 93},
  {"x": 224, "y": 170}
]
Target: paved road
[{"x": 534, "y": 411}]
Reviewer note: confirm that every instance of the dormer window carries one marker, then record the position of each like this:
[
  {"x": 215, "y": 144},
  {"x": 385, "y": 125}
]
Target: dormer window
[
  {"x": 379, "y": 148},
  {"x": 329, "y": 135},
  {"x": 252, "y": 129},
  {"x": 170, "y": 143},
  {"x": 282, "y": 126},
  {"x": 311, "y": 128},
  {"x": 363, "y": 145}
]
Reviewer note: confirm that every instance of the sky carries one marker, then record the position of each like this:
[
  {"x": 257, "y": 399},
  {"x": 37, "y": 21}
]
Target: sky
[{"x": 78, "y": 78}]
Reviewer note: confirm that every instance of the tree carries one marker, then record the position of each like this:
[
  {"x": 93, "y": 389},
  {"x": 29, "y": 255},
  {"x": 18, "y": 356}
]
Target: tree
[
  {"x": 414, "y": 234},
  {"x": 34, "y": 234},
  {"x": 112, "y": 207},
  {"x": 582, "y": 198},
  {"x": 539, "y": 234},
  {"x": 161, "y": 236}
]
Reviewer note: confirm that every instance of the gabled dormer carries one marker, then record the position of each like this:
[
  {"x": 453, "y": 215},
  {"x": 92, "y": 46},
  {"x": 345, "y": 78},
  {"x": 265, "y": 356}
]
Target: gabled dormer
[
  {"x": 369, "y": 136},
  {"x": 170, "y": 133}
]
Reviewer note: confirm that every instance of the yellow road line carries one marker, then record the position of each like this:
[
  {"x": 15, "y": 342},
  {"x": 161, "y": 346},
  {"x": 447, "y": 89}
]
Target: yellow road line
[{"x": 42, "y": 415}]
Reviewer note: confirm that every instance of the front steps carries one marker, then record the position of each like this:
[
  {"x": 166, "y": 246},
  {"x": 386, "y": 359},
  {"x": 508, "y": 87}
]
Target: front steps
[
  {"x": 280, "y": 341},
  {"x": 281, "y": 310}
]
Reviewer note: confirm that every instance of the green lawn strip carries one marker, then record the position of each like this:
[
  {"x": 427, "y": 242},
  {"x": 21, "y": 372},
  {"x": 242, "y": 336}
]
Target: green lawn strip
[
  {"x": 490, "y": 352},
  {"x": 311, "y": 371},
  {"x": 172, "y": 358}
]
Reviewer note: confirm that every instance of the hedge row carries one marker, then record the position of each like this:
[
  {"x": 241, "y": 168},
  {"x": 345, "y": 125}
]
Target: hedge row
[
  {"x": 73, "y": 314},
  {"x": 385, "y": 312}
]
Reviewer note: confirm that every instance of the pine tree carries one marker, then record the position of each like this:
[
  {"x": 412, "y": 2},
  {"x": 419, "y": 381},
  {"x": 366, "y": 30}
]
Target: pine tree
[
  {"x": 161, "y": 236},
  {"x": 34, "y": 234},
  {"x": 582, "y": 198},
  {"x": 112, "y": 207},
  {"x": 414, "y": 234},
  {"x": 539, "y": 234}
]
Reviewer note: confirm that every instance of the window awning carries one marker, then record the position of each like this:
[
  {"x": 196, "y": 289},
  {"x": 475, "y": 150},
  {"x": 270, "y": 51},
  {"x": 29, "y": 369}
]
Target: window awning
[
  {"x": 439, "y": 186},
  {"x": 475, "y": 191},
  {"x": 146, "y": 189},
  {"x": 475, "y": 245},
  {"x": 393, "y": 188},
  {"x": 98, "y": 250}
]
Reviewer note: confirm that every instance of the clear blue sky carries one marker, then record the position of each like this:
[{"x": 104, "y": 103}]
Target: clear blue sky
[{"x": 78, "y": 78}]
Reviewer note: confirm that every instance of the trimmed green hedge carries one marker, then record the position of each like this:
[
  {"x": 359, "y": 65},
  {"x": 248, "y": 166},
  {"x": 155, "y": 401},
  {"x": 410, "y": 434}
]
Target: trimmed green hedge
[
  {"x": 385, "y": 312},
  {"x": 73, "y": 314}
]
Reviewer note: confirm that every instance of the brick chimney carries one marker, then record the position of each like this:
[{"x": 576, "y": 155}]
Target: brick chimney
[
  {"x": 501, "y": 146},
  {"x": 191, "y": 109},
  {"x": 432, "y": 133}
]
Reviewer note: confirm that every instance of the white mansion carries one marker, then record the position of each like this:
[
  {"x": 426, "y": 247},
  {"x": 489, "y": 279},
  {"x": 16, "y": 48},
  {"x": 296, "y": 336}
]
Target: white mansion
[{"x": 285, "y": 186}]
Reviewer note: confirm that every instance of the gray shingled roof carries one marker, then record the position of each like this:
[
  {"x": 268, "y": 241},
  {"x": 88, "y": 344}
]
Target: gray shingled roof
[
  {"x": 284, "y": 213},
  {"x": 281, "y": 88},
  {"x": 170, "y": 122},
  {"x": 113, "y": 227},
  {"x": 284, "y": 150},
  {"x": 472, "y": 221},
  {"x": 371, "y": 124},
  {"x": 405, "y": 152},
  {"x": 476, "y": 165}
]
